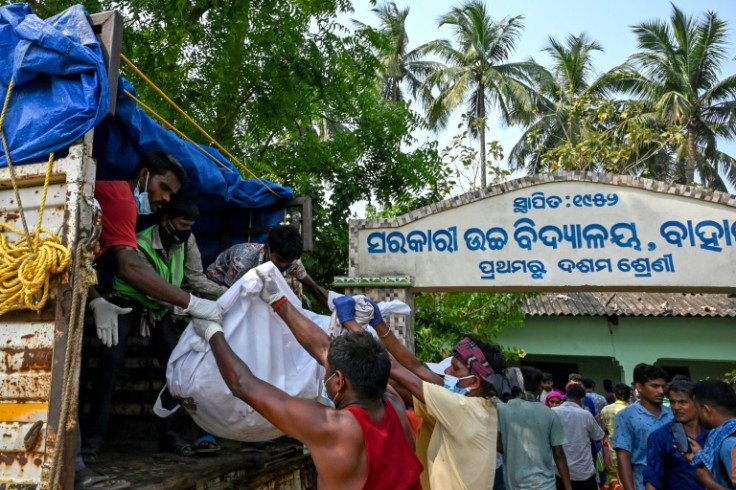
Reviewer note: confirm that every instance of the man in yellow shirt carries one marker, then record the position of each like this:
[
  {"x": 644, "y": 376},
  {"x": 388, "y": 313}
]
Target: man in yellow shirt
[
  {"x": 621, "y": 393},
  {"x": 456, "y": 442}
]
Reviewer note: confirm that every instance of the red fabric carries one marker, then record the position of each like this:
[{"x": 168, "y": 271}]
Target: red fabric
[
  {"x": 414, "y": 421},
  {"x": 119, "y": 214},
  {"x": 392, "y": 464}
]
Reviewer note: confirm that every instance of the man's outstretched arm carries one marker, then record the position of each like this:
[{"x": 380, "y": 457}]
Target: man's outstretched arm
[
  {"x": 307, "y": 333},
  {"x": 301, "y": 418},
  {"x": 403, "y": 355}
]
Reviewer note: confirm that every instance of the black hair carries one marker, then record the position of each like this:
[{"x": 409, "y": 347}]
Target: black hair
[
  {"x": 364, "y": 362},
  {"x": 680, "y": 385},
  {"x": 547, "y": 377},
  {"x": 286, "y": 242},
  {"x": 495, "y": 358},
  {"x": 532, "y": 378},
  {"x": 647, "y": 372},
  {"x": 574, "y": 377},
  {"x": 574, "y": 392},
  {"x": 608, "y": 385},
  {"x": 180, "y": 207},
  {"x": 588, "y": 383},
  {"x": 717, "y": 394},
  {"x": 159, "y": 163},
  {"x": 622, "y": 391},
  {"x": 491, "y": 352}
]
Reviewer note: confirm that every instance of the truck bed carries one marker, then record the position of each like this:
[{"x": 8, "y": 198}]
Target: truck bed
[
  {"x": 287, "y": 466},
  {"x": 131, "y": 450}
]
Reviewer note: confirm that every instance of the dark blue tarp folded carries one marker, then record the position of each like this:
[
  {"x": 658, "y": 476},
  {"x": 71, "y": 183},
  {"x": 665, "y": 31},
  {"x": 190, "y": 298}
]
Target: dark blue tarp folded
[
  {"x": 62, "y": 91},
  {"x": 121, "y": 140}
]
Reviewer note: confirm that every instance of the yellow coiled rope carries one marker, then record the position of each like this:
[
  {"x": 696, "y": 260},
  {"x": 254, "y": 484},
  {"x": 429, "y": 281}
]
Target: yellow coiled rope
[{"x": 28, "y": 264}]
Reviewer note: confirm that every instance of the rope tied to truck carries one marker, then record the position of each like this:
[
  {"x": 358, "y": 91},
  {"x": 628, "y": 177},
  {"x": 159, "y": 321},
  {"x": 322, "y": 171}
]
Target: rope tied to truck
[{"x": 28, "y": 264}]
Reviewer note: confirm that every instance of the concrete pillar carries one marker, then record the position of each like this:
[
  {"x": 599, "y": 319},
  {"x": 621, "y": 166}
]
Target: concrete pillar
[
  {"x": 627, "y": 363},
  {"x": 386, "y": 288}
]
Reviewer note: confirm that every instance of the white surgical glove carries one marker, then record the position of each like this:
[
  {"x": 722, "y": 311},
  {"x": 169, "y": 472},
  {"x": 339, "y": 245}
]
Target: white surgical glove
[
  {"x": 206, "y": 328},
  {"x": 106, "y": 319},
  {"x": 271, "y": 292},
  {"x": 204, "y": 309}
]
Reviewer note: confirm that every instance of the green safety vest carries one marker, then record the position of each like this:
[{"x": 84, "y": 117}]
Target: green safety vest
[{"x": 173, "y": 272}]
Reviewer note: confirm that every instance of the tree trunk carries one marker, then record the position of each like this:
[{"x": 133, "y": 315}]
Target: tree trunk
[
  {"x": 482, "y": 117},
  {"x": 690, "y": 167}
]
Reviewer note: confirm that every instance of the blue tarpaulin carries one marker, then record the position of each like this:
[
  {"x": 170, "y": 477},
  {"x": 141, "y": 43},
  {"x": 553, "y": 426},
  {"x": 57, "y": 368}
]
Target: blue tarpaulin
[
  {"x": 61, "y": 91},
  {"x": 120, "y": 140},
  {"x": 60, "y": 80}
]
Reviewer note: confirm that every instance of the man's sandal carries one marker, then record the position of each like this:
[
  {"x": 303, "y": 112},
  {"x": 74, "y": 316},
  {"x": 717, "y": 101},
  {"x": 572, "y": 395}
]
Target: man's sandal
[
  {"x": 89, "y": 457},
  {"x": 206, "y": 445},
  {"x": 88, "y": 479},
  {"x": 184, "y": 449}
]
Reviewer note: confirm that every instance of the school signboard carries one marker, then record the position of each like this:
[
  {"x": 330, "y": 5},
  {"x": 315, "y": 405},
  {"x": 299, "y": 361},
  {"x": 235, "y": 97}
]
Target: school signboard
[{"x": 559, "y": 232}]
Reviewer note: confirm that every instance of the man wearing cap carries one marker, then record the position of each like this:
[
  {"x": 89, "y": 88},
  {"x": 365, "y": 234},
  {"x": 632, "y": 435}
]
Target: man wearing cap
[{"x": 456, "y": 451}]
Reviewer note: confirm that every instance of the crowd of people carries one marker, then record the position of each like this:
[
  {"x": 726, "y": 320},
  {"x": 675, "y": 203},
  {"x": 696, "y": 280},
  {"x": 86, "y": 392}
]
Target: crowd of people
[{"x": 387, "y": 420}]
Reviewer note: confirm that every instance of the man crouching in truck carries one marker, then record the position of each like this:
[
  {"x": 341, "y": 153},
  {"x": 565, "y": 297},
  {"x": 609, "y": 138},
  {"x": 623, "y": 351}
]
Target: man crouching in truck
[
  {"x": 156, "y": 178},
  {"x": 363, "y": 439}
]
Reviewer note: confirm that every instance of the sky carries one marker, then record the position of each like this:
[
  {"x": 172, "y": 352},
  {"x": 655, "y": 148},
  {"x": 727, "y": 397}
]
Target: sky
[{"x": 608, "y": 22}]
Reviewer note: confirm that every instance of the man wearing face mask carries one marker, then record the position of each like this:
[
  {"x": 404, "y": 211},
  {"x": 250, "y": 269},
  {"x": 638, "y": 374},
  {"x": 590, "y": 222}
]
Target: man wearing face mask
[
  {"x": 156, "y": 179},
  {"x": 456, "y": 442},
  {"x": 283, "y": 247},
  {"x": 171, "y": 250},
  {"x": 361, "y": 439}
]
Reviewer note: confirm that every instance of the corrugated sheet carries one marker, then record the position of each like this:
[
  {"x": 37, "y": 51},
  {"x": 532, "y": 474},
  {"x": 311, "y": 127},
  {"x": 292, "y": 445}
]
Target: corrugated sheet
[{"x": 632, "y": 304}]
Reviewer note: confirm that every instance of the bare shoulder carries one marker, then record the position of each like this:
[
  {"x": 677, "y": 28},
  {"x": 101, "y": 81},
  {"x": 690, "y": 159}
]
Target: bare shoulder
[
  {"x": 340, "y": 453},
  {"x": 395, "y": 399}
]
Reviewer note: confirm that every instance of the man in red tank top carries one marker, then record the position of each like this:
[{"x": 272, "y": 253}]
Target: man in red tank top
[{"x": 365, "y": 441}]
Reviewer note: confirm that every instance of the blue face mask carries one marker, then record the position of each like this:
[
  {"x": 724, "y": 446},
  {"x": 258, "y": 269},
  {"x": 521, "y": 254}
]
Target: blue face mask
[
  {"x": 451, "y": 384},
  {"x": 325, "y": 395},
  {"x": 141, "y": 198}
]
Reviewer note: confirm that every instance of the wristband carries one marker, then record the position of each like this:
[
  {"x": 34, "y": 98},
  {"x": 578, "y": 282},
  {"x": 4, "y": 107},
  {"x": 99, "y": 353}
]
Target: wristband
[
  {"x": 212, "y": 329},
  {"x": 280, "y": 303}
]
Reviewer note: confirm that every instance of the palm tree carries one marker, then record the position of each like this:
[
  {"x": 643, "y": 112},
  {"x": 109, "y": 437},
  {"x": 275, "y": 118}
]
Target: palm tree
[
  {"x": 676, "y": 71},
  {"x": 477, "y": 72},
  {"x": 565, "y": 94},
  {"x": 400, "y": 66}
]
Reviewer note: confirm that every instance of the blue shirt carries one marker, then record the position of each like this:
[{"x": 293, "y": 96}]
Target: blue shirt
[
  {"x": 725, "y": 456},
  {"x": 599, "y": 401},
  {"x": 666, "y": 468},
  {"x": 589, "y": 405},
  {"x": 633, "y": 426}
]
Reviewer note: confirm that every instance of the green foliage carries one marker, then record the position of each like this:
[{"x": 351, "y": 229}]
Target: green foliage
[
  {"x": 400, "y": 67},
  {"x": 443, "y": 319},
  {"x": 573, "y": 126},
  {"x": 464, "y": 161},
  {"x": 613, "y": 137},
  {"x": 676, "y": 72},
  {"x": 478, "y": 74},
  {"x": 292, "y": 94}
]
